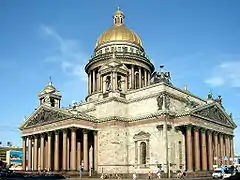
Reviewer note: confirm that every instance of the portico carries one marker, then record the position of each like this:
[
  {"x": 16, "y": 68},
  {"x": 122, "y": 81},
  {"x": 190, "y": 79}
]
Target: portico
[
  {"x": 53, "y": 149},
  {"x": 203, "y": 144}
]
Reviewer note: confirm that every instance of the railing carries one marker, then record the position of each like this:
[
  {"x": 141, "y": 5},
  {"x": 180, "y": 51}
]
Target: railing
[{"x": 108, "y": 55}]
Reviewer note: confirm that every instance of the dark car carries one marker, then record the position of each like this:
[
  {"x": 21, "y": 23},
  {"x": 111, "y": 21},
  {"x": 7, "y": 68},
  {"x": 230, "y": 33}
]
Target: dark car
[
  {"x": 234, "y": 177},
  {"x": 44, "y": 176}
]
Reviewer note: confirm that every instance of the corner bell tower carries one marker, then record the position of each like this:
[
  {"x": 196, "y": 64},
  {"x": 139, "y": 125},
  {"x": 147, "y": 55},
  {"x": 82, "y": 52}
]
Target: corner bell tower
[{"x": 50, "y": 96}]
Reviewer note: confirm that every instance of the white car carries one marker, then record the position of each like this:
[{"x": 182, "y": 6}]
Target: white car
[
  {"x": 217, "y": 174},
  {"x": 226, "y": 175}
]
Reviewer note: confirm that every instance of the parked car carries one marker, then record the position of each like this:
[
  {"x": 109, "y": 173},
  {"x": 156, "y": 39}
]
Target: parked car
[{"x": 218, "y": 173}]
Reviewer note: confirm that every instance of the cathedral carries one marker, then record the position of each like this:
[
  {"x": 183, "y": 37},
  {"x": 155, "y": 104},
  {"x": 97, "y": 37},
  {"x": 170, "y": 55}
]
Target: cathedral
[{"x": 134, "y": 120}]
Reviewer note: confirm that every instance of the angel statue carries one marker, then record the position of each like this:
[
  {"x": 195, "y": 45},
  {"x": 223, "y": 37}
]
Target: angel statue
[
  {"x": 160, "y": 99},
  {"x": 108, "y": 83},
  {"x": 161, "y": 76}
]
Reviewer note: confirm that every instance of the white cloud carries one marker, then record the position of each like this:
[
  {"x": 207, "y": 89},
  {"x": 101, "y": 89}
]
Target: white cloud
[
  {"x": 227, "y": 73},
  {"x": 215, "y": 81},
  {"x": 67, "y": 53}
]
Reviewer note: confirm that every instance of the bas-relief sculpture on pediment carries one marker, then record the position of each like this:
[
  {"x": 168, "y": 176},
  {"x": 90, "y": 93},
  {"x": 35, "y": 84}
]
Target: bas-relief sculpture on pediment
[
  {"x": 45, "y": 116},
  {"x": 113, "y": 64},
  {"x": 213, "y": 113}
]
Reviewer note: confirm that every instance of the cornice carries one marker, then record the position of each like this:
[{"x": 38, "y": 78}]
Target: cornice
[
  {"x": 133, "y": 119},
  {"x": 122, "y": 56}
]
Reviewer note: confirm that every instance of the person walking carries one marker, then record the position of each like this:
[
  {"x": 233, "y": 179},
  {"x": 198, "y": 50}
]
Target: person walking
[
  {"x": 159, "y": 174},
  {"x": 149, "y": 175},
  {"x": 134, "y": 176},
  {"x": 81, "y": 169}
]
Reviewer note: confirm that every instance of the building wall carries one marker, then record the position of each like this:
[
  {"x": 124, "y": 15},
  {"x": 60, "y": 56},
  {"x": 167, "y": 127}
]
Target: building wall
[
  {"x": 119, "y": 150},
  {"x": 112, "y": 149}
]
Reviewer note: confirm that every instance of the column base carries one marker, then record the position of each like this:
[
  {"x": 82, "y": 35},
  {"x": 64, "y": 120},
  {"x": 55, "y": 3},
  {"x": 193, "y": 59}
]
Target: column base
[{"x": 197, "y": 170}]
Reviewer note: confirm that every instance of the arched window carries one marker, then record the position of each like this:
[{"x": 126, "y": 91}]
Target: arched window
[
  {"x": 52, "y": 101},
  {"x": 143, "y": 153}
]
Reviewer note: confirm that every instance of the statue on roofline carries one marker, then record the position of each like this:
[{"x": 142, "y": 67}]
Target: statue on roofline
[{"x": 161, "y": 76}]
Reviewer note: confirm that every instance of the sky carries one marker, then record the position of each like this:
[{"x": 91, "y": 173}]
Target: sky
[{"x": 197, "y": 41}]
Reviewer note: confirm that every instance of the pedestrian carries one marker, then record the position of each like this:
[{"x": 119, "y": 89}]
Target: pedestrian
[
  {"x": 80, "y": 173},
  {"x": 149, "y": 175},
  {"x": 159, "y": 175},
  {"x": 134, "y": 176}
]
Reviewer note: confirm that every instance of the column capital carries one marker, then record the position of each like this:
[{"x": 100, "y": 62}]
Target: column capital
[
  {"x": 49, "y": 133},
  {"x": 231, "y": 136},
  {"x": 189, "y": 127},
  {"x": 30, "y": 137},
  {"x": 220, "y": 134},
  {"x": 215, "y": 133},
  {"x": 73, "y": 129},
  {"x": 57, "y": 132},
  {"x": 35, "y": 136},
  {"x": 64, "y": 130},
  {"x": 85, "y": 131},
  {"x": 95, "y": 133},
  {"x": 24, "y": 138},
  {"x": 203, "y": 130},
  {"x": 226, "y": 135},
  {"x": 209, "y": 132},
  {"x": 196, "y": 128},
  {"x": 42, "y": 135}
]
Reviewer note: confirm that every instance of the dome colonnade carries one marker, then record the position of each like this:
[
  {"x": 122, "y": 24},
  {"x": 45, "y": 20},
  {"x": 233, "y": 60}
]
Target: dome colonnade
[{"x": 119, "y": 62}]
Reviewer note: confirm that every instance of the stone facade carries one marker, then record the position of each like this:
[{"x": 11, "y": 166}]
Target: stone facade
[{"x": 133, "y": 120}]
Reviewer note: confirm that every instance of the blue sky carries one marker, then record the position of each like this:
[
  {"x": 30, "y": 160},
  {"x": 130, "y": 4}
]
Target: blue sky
[{"x": 198, "y": 41}]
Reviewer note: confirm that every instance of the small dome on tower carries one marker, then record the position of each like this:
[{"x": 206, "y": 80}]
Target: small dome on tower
[
  {"x": 118, "y": 32},
  {"x": 50, "y": 96},
  {"x": 49, "y": 89}
]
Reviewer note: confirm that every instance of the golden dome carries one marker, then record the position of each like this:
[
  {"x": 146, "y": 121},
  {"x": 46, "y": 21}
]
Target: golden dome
[{"x": 119, "y": 32}]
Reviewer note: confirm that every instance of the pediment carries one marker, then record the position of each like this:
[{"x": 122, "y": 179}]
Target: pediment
[
  {"x": 215, "y": 113},
  {"x": 142, "y": 135},
  {"x": 112, "y": 63},
  {"x": 44, "y": 115}
]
